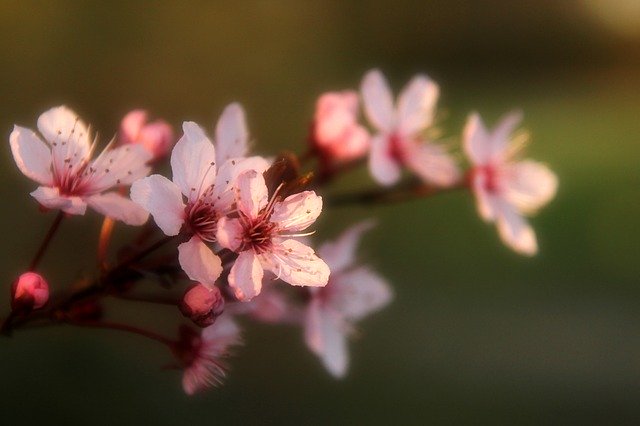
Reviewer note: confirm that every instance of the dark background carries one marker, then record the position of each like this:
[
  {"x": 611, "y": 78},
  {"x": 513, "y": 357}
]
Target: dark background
[{"x": 476, "y": 334}]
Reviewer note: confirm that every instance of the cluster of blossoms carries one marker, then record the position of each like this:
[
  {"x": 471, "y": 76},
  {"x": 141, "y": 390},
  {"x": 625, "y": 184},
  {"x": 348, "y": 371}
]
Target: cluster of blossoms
[{"x": 242, "y": 223}]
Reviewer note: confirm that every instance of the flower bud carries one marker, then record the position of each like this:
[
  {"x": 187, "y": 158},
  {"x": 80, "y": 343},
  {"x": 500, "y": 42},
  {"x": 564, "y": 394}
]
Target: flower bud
[
  {"x": 30, "y": 291},
  {"x": 202, "y": 304},
  {"x": 336, "y": 132},
  {"x": 157, "y": 137}
]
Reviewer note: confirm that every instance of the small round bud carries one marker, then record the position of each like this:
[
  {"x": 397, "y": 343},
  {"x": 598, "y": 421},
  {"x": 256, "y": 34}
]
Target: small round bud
[
  {"x": 156, "y": 137},
  {"x": 202, "y": 304},
  {"x": 30, "y": 291}
]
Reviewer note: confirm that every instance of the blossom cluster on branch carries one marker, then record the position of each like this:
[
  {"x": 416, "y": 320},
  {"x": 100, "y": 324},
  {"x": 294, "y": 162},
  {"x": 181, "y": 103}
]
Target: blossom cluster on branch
[{"x": 242, "y": 224}]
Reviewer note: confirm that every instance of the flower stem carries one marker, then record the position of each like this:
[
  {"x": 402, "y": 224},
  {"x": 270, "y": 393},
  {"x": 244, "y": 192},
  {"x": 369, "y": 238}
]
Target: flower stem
[{"x": 45, "y": 243}]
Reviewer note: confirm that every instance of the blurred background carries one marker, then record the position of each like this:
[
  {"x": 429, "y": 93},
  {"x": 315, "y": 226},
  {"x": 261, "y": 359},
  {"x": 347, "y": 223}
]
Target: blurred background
[{"x": 476, "y": 334}]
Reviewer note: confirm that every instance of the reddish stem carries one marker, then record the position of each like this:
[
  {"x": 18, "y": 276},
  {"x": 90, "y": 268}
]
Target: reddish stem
[{"x": 45, "y": 243}]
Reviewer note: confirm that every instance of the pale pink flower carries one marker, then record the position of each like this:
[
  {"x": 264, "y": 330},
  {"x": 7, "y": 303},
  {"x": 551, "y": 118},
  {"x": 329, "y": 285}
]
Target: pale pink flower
[
  {"x": 29, "y": 291},
  {"x": 263, "y": 235},
  {"x": 400, "y": 140},
  {"x": 352, "y": 293},
  {"x": 336, "y": 132},
  {"x": 69, "y": 179},
  {"x": 202, "y": 355},
  {"x": 156, "y": 137},
  {"x": 206, "y": 188},
  {"x": 271, "y": 306},
  {"x": 506, "y": 189}
]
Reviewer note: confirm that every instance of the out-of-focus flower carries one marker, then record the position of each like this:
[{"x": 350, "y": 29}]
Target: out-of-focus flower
[
  {"x": 506, "y": 189},
  {"x": 69, "y": 179},
  {"x": 352, "y": 293},
  {"x": 201, "y": 355},
  {"x": 207, "y": 188},
  {"x": 202, "y": 304},
  {"x": 400, "y": 141},
  {"x": 30, "y": 291},
  {"x": 263, "y": 236},
  {"x": 156, "y": 137},
  {"x": 271, "y": 306},
  {"x": 336, "y": 132}
]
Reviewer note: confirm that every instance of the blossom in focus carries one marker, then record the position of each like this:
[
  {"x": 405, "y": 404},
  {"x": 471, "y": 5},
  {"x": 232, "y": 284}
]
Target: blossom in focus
[
  {"x": 352, "y": 293},
  {"x": 201, "y": 355},
  {"x": 202, "y": 304},
  {"x": 70, "y": 180},
  {"x": 29, "y": 291},
  {"x": 203, "y": 175},
  {"x": 399, "y": 140},
  {"x": 336, "y": 132},
  {"x": 156, "y": 137},
  {"x": 264, "y": 236},
  {"x": 506, "y": 189}
]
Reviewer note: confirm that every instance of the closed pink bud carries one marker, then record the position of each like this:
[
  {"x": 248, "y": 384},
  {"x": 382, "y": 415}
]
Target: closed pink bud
[
  {"x": 30, "y": 291},
  {"x": 157, "y": 137},
  {"x": 336, "y": 132},
  {"x": 202, "y": 304}
]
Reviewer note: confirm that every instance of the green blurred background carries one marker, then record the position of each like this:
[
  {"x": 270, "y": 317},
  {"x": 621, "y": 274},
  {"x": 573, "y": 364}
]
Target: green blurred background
[{"x": 476, "y": 334}]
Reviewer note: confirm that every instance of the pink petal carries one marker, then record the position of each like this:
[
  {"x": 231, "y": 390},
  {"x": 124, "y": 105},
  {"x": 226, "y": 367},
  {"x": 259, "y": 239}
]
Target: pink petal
[
  {"x": 432, "y": 163},
  {"x": 230, "y": 233},
  {"x": 514, "y": 230},
  {"x": 335, "y": 112},
  {"x": 382, "y": 166},
  {"x": 232, "y": 136},
  {"x": 476, "y": 140},
  {"x": 484, "y": 199},
  {"x": 221, "y": 334},
  {"x": 131, "y": 125},
  {"x": 115, "y": 206},
  {"x": 193, "y": 161},
  {"x": 32, "y": 156},
  {"x": 500, "y": 136},
  {"x": 416, "y": 105},
  {"x": 251, "y": 193},
  {"x": 341, "y": 253},
  {"x": 530, "y": 185},
  {"x": 118, "y": 167},
  {"x": 61, "y": 125},
  {"x": 199, "y": 262},
  {"x": 358, "y": 293},
  {"x": 296, "y": 264},
  {"x": 297, "y": 212},
  {"x": 51, "y": 199},
  {"x": 246, "y": 275},
  {"x": 378, "y": 101},
  {"x": 163, "y": 199},
  {"x": 228, "y": 174},
  {"x": 325, "y": 336}
]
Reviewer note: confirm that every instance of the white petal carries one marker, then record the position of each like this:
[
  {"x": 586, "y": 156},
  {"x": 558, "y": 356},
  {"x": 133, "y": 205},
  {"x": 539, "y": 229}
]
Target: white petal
[
  {"x": 232, "y": 136},
  {"x": 297, "y": 212},
  {"x": 199, "y": 262},
  {"x": 251, "y": 193},
  {"x": 230, "y": 233},
  {"x": 514, "y": 230},
  {"x": 416, "y": 105},
  {"x": 325, "y": 337},
  {"x": 60, "y": 124},
  {"x": 222, "y": 334},
  {"x": 193, "y": 161},
  {"x": 432, "y": 163},
  {"x": 500, "y": 136},
  {"x": 530, "y": 185},
  {"x": 382, "y": 166},
  {"x": 476, "y": 140},
  {"x": 51, "y": 199},
  {"x": 484, "y": 199},
  {"x": 358, "y": 293},
  {"x": 341, "y": 253},
  {"x": 163, "y": 199},
  {"x": 296, "y": 264},
  {"x": 246, "y": 275},
  {"x": 32, "y": 156},
  {"x": 378, "y": 101},
  {"x": 117, "y": 207},
  {"x": 118, "y": 167},
  {"x": 228, "y": 174}
]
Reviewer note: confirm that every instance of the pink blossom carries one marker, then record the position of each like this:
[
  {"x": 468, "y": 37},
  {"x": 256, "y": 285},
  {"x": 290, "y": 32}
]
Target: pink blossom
[
  {"x": 29, "y": 291},
  {"x": 506, "y": 189},
  {"x": 202, "y": 355},
  {"x": 352, "y": 293},
  {"x": 271, "y": 306},
  {"x": 263, "y": 235},
  {"x": 336, "y": 132},
  {"x": 69, "y": 179},
  {"x": 202, "y": 304},
  {"x": 203, "y": 175},
  {"x": 400, "y": 140},
  {"x": 156, "y": 137}
]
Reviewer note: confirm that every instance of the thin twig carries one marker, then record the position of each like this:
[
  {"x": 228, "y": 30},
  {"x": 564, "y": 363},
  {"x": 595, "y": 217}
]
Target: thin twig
[{"x": 47, "y": 239}]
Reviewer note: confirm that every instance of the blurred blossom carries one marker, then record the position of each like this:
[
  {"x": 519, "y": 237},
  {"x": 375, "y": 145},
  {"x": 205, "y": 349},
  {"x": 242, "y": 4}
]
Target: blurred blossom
[
  {"x": 30, "y": 291},
  {"x": 157, "y": 137}
]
